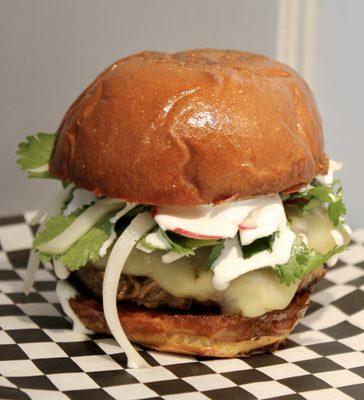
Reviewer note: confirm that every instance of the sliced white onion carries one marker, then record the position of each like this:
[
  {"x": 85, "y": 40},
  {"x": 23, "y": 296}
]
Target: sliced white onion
[
  {"x": 141, "y": 224},
  {"x": 157, "y": 240},
  {"x": 42, "y": 168},
  {"x": 139, "y": 246},
  {"x": 31, "y": 270},
  {"x": 122, "y": 212},
  {"x": 61, "y": 271},
  {"x": 109, "y": 241},
  {"x": 51, "y": 210},
  {"x": 171, "y": 256},
  {"x": 347, "y": 229},
  {"x": 54, "y": 207},
  {"x": 339, "y": 241},
  {"x": 80, "y": 198},
  {"x": 80, "y": 226}
]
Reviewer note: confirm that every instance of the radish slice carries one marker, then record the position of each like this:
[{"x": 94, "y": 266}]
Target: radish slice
[
  {"x": 31, "y": 270},
  {"x": 80, "y": 226},
  {"x": 245, "y": 225},
  {"x": 54, "y": 207},
  {"x": 207, "y": 221},
  {"x": 193, "y": 235},
  {"x": 140, "y": 225}
]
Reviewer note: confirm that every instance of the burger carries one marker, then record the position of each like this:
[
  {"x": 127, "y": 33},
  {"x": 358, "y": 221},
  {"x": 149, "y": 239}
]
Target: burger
[{"x": 198, "y": 208}]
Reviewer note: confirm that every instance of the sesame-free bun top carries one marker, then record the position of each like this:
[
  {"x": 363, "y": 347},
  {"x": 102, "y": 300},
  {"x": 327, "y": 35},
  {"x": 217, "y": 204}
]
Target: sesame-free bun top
[{"x": 194, "y": 127}]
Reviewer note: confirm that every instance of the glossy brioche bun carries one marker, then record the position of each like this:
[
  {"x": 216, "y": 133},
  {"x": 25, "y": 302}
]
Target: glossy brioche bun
[
  {"x": 214, "y": 335},
  {"x": 189, "y": 128}
]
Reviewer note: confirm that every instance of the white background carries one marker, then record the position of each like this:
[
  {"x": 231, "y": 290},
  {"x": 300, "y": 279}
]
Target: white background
[{"x": 50, "y": 50}]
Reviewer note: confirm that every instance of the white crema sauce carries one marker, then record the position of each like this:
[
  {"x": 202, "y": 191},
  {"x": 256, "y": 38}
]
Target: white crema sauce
[{"x": 252, "y": 218}]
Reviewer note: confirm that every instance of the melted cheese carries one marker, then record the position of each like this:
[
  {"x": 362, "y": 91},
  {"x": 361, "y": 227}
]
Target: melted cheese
[
  {"x": 252, "y": 294},
  {"x": 317, "y": 228}
]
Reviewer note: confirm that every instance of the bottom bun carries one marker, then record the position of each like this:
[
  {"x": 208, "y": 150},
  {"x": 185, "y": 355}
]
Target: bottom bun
[{"x": 213, "y": 335}]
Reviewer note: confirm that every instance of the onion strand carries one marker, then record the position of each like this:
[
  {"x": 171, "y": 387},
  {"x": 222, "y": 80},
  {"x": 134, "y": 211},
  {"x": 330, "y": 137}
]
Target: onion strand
[{"x": 140, "y": 225}]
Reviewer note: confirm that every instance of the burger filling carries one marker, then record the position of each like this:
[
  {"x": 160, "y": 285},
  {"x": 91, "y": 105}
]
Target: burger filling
[{"x": 245, "y": 257}]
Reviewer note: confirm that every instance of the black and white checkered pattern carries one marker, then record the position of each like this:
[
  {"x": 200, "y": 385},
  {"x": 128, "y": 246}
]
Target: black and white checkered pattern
[{"x": 41, "y": 358}]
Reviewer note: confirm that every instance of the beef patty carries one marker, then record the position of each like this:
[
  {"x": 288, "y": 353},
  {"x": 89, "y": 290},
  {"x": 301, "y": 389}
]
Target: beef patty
[{"x": 144, "y": 291}]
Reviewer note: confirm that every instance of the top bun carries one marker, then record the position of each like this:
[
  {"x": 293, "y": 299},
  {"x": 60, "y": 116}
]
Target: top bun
[{"x": 194, "y": 127}]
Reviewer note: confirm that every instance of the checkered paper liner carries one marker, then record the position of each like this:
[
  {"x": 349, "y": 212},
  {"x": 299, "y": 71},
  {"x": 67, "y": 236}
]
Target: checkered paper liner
[{"x": 41, "y": 358}]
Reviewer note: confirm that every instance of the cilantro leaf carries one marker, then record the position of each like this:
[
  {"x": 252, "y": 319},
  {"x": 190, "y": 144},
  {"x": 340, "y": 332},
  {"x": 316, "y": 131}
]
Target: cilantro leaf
[
  {"x": 87, "y": 248},
  {"x": 34, "y": 153},
  {"x": 336, "y": 210},
  {"x": 214, "y": 253},
  {"x": 81, "y": 252},
  {"x": 180, "y": 244},
  {"x": 318, "y": 195},
  {"x": 195, "y": 243},
  {"x": 177, "y": 247},
  {"x": 184, "y": 245},
  {"x": 261, "y": 244},
  {"x": 53, "y": 227},
  {"x": 302, "y": 261}
]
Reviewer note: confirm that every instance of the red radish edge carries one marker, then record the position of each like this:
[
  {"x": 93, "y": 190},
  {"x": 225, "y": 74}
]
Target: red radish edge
[
  {"x": 193, "y": 235},
  {"x": 153, "y": 212},
  {"x": 242, "y": 226}
]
